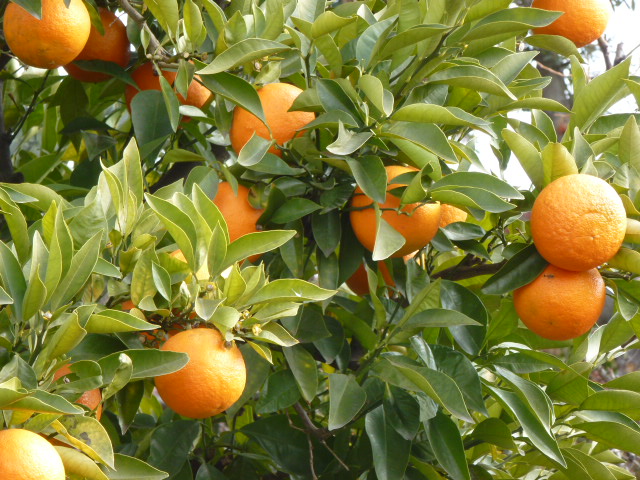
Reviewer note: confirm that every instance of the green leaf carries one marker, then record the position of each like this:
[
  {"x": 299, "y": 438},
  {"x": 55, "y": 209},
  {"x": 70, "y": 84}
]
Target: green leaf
[
  {"x": 237, "y": 90},
  {"x": 294, "y": 209},
  {"x": 520, "y": 270},
  {"x": 328, "y": 22},
  {"x": 87, "y": 434},
  {"x": 280, "y": 393},
  {"x": 147, "y": 363},
  {"x": 598, "y": 95},
  {"x": 242, "y": 52},
  {"x": 82, "y": 265},
  {"x": 429, "y": 113},
  {"x": 130, "y": 468},
  {"x": 555, "y": 43},
  {"x": 388, "y": 239},
  {"x": 17, "y": 226},
  {"x": 150, "y": 120},
  {"x": 528, "y": 156},
  {"x": 495, "y": 432},
  {"x": 472, "y": 197},
  {"x": 411, "y": 37},
  {"x": 12, "y": 278},
  {"x": 478, "y": 180},
  {"x": 274, "y": 333},
  {"x": 370, "y": 175},
  {"x": 171, "y": 102},
  {"x": 113, "y": 321},
  {"x": 557, "y": 162},
  {"x": 622, "y": 401},
  {"x": 171, "y": 443},
  {"x": 348, "y": 141},
  {"x": 375, "y": 92},
  {"x": 612, "y": 434},
  {"x": 327, "y": 231},
  {"x": 346, "y": 398},
  {"x": 446, "y": 442},
  {"x": 167, "y": 14},
  {"x": 304, "y": 369},
  {"x": 629, "y": 146},
  {"x": 68, "y": 336},
  {"x": 256, "y": 243},
  {"x": 162, "y": 281},
  {"x": 390, "y": 450},
  {"x": 471, "y": 77},
  {"x": 510, "y": 21},
  {"x": 627, "y": 260},
  {"x": 294, "y": 290}
]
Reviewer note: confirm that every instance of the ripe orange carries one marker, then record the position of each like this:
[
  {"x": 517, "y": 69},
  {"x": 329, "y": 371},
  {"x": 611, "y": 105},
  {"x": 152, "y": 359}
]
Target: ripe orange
[
  {"x": 240, "y": 215},
  {"x": 277, "y": 99},
  {"x": 418, "y": 223},
  {"x": 147, "y": 78},
  {"x": 213, "y": 379},
  {"x": 360, "y": 285},
  {"x": 91, "y": 399},
  {"x": 560, "y": 304},
  {"x": 27, "y": 456},
  {"x": 451, "y": 214},
  {"x": 113, "y": 46},
  {"x": 54, "y": 40},
  {"x": 583, "y": 21},
  {"x": 578, "y": 222}
]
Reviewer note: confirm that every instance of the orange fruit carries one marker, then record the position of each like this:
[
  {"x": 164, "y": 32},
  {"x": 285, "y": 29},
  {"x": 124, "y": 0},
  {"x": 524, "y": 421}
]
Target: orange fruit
[
  {"x": 27, "y": 456},
  {"x": 418, "y": 223},
  {"x": 578, "y": 222},
  {"x": 359, "y": 284},
  {"x": 213, "y": 379},
  {"x": 51, "y": 42},
  {"x": 276, "y": 99},
  {"x": 583, "y": 21},
  {"x": 147, "y": 78},
  {"x": 451, "y": 214},
  {"x": 91, "y": 399},
  {"x": 113, "y": 46},
  {"x": 560, "y": 304},
  {"x": 240, "y": 215}
]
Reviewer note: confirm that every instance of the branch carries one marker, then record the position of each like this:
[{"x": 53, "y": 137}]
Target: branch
[
  {"x": 154, "y": 44},
  {"x": 309, "y": 426},
  {"x": 604, "y": 48}
]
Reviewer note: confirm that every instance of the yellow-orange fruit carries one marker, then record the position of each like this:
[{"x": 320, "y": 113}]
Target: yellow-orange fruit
[
  {"x": 91, "y": 399},
  {"x": 146, "y": 78},
  {"x": 582, "y": 22},
  {"x": 418, "y": 223},
  {"x": 51, "y": 42},
  {"x": 451, "y": 214},
  {"x": 359, "y": 283},
  {"x": 240, "y": 215},
  {"x": 560, "y": 304},
  {"x": 578, "y": 222},
  {"x": 277, "y": 99},
  {"x": 113, "y": 46},
  {"x": 27, "y": 456},
  {"x": 213, "y": 379}
]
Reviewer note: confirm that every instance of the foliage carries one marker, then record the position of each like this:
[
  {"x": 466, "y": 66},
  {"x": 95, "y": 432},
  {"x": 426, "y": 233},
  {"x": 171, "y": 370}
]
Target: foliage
[{"x": 433, "y": 379}]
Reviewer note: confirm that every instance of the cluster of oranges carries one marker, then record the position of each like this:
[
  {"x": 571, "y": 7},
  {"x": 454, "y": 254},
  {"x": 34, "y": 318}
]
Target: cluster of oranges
[{"x": 578, "y": 222}]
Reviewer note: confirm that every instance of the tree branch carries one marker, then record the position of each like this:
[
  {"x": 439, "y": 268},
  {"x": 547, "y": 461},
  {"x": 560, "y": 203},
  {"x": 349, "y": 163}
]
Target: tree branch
[
  {"x": 7, "y": 173},
  {"x": 604, "y": 48},
  {"x": 154, "y": 43}
]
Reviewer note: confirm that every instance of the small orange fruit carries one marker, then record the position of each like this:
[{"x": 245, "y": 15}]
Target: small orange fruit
[
  {"x": 451, "y": 214},
  {"x": 27, "y": 456},
  {"x": 240, "y": 215},
  {"x": 418, "y": 223},
  {"x": 578, "y": 222},
  {"x": 51, "y": 42},
  {"x": 583, "y": 21},
  {"x": 91, "y": 399},
  {"x": 277, "y": 99},
  {"x": 113, "y": 46},
  {"x": 213, "y": 379},
  {"x": 359, "y": 283},
  {"x": 560, "y": 304},
  {"x": 147, "y": 78}
]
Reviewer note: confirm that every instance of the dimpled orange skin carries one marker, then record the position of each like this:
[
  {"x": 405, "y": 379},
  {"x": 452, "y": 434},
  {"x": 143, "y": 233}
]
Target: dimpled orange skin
[
  {"x": 277, "y": 99},
  {"x": 418, "y": 225},
  {"x": 213, "y": 379},
  {"x": 145, "y": 77},
  {"x": 51, "y": 42},
  {"x": 583, "y": 22},
  {"x": 451, "y": 214},
  {"x": 27, "y": 456},
  {"x": 113, "y": 46},
  {"x": 359, "y": 283},
  {"x": 91, "y": 399},
  {"x": 578, "y": 222},
  {"x": 240, "y": 215},
  {"x": 560, "y": 304}
]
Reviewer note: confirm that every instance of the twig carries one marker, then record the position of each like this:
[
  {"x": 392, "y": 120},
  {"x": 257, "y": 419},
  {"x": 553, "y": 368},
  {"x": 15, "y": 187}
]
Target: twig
[
  {"x": 604, "y": 48},
  {"x": 31, "y": 106},
  {"x": 551, "y": 70},
  {"x": 6, "y": 166},
  {"x": 309, "y": 426},
  {"x": 154, "y": 44}
]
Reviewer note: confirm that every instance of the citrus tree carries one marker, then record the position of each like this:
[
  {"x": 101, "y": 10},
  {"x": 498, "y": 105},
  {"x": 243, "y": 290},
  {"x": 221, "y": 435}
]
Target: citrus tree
[{"x": 274, "y": 240}]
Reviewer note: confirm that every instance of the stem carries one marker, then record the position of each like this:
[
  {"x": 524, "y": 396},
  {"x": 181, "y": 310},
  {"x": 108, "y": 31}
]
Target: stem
[{"x": 154, "y": 44}]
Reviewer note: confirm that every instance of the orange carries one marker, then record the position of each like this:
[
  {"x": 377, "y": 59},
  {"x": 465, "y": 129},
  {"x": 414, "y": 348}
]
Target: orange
[
  {"x": 578, "y": 222},
  {"x": 418, "y": 223},
  {"x": 240, "y": 215},
  {"x": 113, "y": 46},
  {"x": 27, "y": 456},
  {"x": 451, "y": 214},
  {"x": 51, "y": 42},
  {"x": 212, "y": 380},
  {"x": 276, "y": 99},
  {"x": 147, "y": 78},
  {"x": 583, "y": 21},
  {"x": 360, "y": 285},
  {"x": 560, "y": 304},
  {"x": 91, "y": 399}
]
